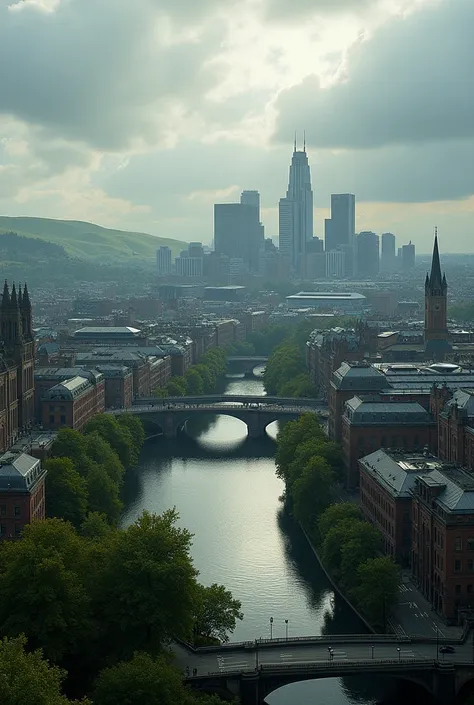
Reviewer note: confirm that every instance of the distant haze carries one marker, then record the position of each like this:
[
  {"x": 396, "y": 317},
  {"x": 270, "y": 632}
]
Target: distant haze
[{"x": 141, "y": 115}]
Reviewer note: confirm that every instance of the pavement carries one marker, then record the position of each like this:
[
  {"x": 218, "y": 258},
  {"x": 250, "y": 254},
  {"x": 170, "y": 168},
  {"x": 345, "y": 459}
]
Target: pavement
[
  {"x": 414, "y": 614},
  {"x": 283, "y": 654}
]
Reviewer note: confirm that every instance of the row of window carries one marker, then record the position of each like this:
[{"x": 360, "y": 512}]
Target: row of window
[
  {"x": 17, "y": 531},
  {"x": 458, "y": 565},
  {"x": 3, "y": 510},
  {"x": 458, "y": 544}
]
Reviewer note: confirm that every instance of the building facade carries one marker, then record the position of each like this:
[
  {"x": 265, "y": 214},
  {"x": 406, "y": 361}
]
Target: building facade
[
  {"x": 71, "y": 404},
  {"x": 22, "y": 494}
]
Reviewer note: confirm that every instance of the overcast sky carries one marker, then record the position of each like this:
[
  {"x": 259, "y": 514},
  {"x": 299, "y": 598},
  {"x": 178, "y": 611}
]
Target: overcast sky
[{"x": 140, "y": 114}]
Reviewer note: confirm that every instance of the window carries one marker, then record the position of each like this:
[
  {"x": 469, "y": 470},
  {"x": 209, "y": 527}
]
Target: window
[
  {"x": 63, "y": 418},
  {"x": 457, "y": 565},
  {"x": 51, "y": 408},
  {"x": 62, "y": 408},
  {"x": 3, "y": 529},
  {"x": 470, "y": 566},
  {"x": 3, "y": 510},
  {"x": 17, "y": 511},
  {"x": 458, "y": 543},
  {"x": 17, "y": 530},
  {"x": 469, "y": 589},
  {"x": 51, "y": 418},
  {"x": 470, "y": 544},
  {"x": 457, "y": 589}
]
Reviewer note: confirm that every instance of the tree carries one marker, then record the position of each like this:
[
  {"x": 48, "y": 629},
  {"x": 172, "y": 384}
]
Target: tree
[
  {"x": 312, "y": 492},
  {"x": 71, "y": 444},
  {"x": 147, "y": 592},
  {"x": 135, "y": 427},
  {"x": 160, "y": 393},
  {"x": 95, "y": 526},
  {"x": 103, "y": 494},
  {"x": 378, "y": 589},
  {"x": 102, "y": 453},
  {"x": 208, "y": 378},
  {"x": 41, "y": 590},
  {"x": 337, "y": 513},
  {"x": 26, "y": 678},
  {"x": 149, "y": 680},
  {"x": 299, "y": 386},
  {"x": 217, "y": 613},
  {"x": 194, "y": 382},
  {"x": 116, "y": 435},
  {"x": 66, "y": 491},
  {"x": 177, "y": 387},
  {"x": 289, "y": 439},
  {"x": 285, "y": 363},
  {"x": 346, "y": 545}
]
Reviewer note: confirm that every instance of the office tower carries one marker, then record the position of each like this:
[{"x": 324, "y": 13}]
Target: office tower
[
  {"x": 163, "y": 261},
  {"x": 339, "y": 229},
  {"x": 335, "y": 264},
  {"x": 251, "y": 198},
  {"x": 388, "y": 258},
  {"x": 257, "y": 246},
  {"x": 296, "y": 212},
  {"x": 367, "y": 254},
  {"x": 195, "y": 249},
  {"x": 238, "y": 232},
  {"x": 408, "y": 257},
  {"x": 187, "y": 265}
]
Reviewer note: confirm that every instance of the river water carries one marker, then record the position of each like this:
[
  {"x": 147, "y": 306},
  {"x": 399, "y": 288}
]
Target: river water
[{"x": 227, "y": 494}]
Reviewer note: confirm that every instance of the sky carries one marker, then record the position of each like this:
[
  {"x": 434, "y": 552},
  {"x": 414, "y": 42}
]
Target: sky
[{"x": 141, "y": 114}]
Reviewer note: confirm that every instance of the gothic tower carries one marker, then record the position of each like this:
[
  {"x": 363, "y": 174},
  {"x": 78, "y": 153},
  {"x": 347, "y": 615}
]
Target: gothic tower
[{"x": 436, "y": 328}]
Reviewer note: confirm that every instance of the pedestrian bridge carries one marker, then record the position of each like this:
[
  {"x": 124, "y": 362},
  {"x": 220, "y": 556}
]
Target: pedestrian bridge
[
  {"x": 253, "y": 670},
  {"x": 257, "y": 412}
]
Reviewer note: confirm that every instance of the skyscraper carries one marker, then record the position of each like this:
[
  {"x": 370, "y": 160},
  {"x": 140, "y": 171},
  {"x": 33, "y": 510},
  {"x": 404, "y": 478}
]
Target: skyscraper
[
  {"x": 339, "y": 230},
  {"x": 367, "y": 254},
  {"x": 408, "y": 257},
  {"x": 388, "y": 259},
  {"x": 163, "y": 261},
  {"x": 238, "y": 232},
  {"x": 296, "y": 211}
]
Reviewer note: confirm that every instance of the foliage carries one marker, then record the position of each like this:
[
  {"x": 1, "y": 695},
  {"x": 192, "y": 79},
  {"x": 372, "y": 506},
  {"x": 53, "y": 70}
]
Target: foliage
[
  {"x": 102, "y": 453},
  {"x": 337, "y": 513},
  {"x": 147, "y": 589},
  {"x": 242, "y": 348},
  {"x": 377, "y": 591},
  {"x": 26, "y": 678},
  {"x": 217, "y": 613},
  {"x": 149, "y": 680},
  {"x": 312, "y": 492},
  {"x": 299, "y": 386},
  {"x": 72, "y": 444},
  {"x": 346, "y": 545},
  {"x": 135, "y": 426},
  {"x": 264, "y": 342},
  {"x": 117, "y": 435},
  {"x": 286, "y": 362},
  {"x": 103, "y": 494},
  {"x": 289, "y": 439},
  {"x": 66, "y": 491},
  {"x": 194, "y": 382},
  {"x": 95, "y": 526}
]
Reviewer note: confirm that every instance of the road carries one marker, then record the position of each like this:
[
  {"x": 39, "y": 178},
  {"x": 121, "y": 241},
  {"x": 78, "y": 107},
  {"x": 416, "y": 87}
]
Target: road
[{"x": 246, "y": 659}]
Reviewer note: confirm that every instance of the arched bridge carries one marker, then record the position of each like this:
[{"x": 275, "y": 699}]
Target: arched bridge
[
  {"x": 256, "y": 412},
  {"x": 253, "y": 670},
  {"x": 245, "y": 363}
]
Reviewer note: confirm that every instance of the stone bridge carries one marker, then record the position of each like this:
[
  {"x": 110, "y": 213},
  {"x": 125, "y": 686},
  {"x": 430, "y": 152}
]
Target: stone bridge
[
  {"x": 257, "y": 413},
  {"x": 245, "y": 364},
  {"x": 252, "y": 670}
]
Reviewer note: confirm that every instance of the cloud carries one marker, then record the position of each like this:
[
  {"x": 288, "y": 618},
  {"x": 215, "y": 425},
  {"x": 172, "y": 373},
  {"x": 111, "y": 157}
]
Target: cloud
[
  {"x": 282, "y": 9},
  {"x": 111, "y": 74},
  {"x": 411, "y": 82}
]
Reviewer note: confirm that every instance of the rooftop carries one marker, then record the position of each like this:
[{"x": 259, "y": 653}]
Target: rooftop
[
  {"x": 372, "y": 410},
  {"x": 109, "y": 332},
  {"x": 397, "y": 472},
  {"x": 331, "y": 295},
  {"x": 68, "y": 390},
  {"x": 19, "y": 472}
]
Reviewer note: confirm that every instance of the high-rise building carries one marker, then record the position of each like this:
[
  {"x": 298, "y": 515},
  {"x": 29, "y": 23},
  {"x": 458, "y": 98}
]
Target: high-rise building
[
  {"x": 339, "y": 230},
  {"x": 388, "y": 258},
  {"x": 296, "y": 212},
  {"x": 436, "y": 316},
  {"x": 190, "y": 263},
  {"x": 163, "y": 261},
  {"x": 238, "y": 232},
  {"x": 367, "y": 254},
  {"x": 335, "y": 264},
  {"x": 408, "y": 257},
  {"x": 251, "y": 198}
]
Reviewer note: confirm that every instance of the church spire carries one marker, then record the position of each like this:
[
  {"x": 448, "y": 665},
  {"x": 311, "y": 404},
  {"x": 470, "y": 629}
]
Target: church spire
[
  {"x": 435, "y": 282},
  {"x": 6, "y": 295},
  {"x": 13, "y": 298}
]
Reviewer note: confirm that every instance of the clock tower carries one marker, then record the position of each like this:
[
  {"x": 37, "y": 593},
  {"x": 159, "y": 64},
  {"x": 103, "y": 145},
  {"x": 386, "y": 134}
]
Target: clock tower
[{"x": 436, "y": 328}]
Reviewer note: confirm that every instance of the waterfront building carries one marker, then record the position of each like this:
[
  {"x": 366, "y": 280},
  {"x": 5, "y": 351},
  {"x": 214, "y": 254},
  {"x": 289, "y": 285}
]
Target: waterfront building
[
  {"x": 163, "y": 261},
  {"x": 17, "y": 359},
  {"x": 296, "y": 212},
  {"x": 22, "y": 493},
  {"x": 367, "y": 254},
  {"x": 370, "y": 422},
  {"x": 72, "y": 403}
]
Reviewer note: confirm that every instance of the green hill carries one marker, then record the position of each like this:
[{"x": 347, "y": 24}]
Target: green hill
[{"x": 90, "y": 242}]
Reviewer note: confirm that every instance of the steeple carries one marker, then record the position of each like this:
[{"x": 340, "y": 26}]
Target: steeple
[
  {"x": 435, "y": 283},
  {"x": 26, "y": 299},
  {"x": 6, "y": 295},
  {"x": 13, "y": 298},
  {"x": 20, "y": 298}
]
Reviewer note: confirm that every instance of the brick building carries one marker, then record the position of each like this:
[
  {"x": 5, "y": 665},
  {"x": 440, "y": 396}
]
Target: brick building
[
  {"x": 48, "y": 377},
  {"x": 369, "y": 423},
  {"x": 22, "y": 496},
  {"x": 72, "y": 403},
  {"x": 17, "y": 359},
  {"x": 118, "y": 386},
  {"x": 148, "y": 370},
  {"x": 387, "y": 478}
]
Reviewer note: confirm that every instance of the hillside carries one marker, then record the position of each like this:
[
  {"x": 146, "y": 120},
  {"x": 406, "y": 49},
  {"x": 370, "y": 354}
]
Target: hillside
[{"x": 89, "y": 241}]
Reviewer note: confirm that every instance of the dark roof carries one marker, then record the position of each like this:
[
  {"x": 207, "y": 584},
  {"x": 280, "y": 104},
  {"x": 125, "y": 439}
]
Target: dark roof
[
  {"x": 19, "y": 472},
  {"x": 359, "y": 377},
  {"x": 371, "y": 410}
]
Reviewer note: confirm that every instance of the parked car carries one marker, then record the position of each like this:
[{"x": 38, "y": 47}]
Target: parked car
[{"x": 447, "y": 649}]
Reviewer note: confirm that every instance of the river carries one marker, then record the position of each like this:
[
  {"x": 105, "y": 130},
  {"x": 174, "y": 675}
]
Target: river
[{"x": 227, "y": 494}]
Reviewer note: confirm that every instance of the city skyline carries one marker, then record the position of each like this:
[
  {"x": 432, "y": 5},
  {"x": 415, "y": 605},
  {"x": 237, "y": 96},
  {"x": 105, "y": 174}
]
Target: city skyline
[{"x": 195, "y": 114}]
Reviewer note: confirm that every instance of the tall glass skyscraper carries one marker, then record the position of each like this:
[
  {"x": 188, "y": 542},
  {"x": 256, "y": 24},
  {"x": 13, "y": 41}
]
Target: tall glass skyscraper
[{"x": 296, "y": 212}]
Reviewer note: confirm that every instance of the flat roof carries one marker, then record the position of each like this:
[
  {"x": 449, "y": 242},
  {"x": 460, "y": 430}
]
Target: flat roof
[{"x": 335, "y": 295}]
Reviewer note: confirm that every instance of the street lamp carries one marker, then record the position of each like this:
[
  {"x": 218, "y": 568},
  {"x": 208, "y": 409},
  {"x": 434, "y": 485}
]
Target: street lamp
[
  {"x": 271, "y": 627},
  {"x": 373, "y": 651},
  {"x": 399, "y": 654},
  {"x": 286, "y": 628},
  {"x": 256, "y": 655}
]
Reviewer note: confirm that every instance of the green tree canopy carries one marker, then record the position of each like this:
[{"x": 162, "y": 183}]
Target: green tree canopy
[
  {"x": 292, "y": 435},
  {"x": 72, "y": 444},
  {"x": 299, "y": 386},
  {"x": 95, "y": 526},
  {"x": 194, "y": 382},
  {"x": 135, "y": 427},
  {"x": 217, "y": 613},
  {"x": 313, "y": 491},
  {"x": 103, "y": 494},
  {"x": 102, "y": 453},
  {"x": 284, "y": 364},
  {"x": 346, "y": 545},
  {"x": 26, "y": 678},
  {"x": 147, "y": 592},
  {"x": 337, "y": 513},
  {"x": 117, "y": 436},
  {"x": 66, "y": 491},
  {"x": 177, "y": 387},
  {"x": 378, "y": 587},
  {"x": 146, "y": 680}
]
